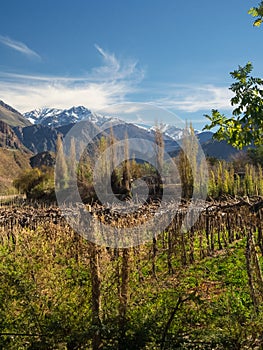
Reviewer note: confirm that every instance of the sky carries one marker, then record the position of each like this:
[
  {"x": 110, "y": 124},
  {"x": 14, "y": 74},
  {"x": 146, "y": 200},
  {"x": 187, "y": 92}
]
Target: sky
[{"x": 172, "y": 54}]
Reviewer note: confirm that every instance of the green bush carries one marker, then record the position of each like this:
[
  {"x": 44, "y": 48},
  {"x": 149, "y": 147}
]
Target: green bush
[{"x": 36, "y": 183}]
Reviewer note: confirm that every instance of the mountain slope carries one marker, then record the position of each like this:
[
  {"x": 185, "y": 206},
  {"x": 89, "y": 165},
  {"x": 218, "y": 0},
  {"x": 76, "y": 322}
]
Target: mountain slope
[
  {"x": 63, "y": 120},
  {"x": 9, "y": 139},
  {"x": 219, "y": 149},
  {"x": 13, "y": 162},
  {"x": 12, "y": 117},
  {"x": 37, "y": 138},
  {"x": 14, "y": 157}
]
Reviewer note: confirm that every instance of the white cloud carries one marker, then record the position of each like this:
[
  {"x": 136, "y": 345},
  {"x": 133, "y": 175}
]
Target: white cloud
[
  {"x": 18, "y": 46},
  {"x": 103, "y": 86},
  {"x": 112, "y": 65},
  {"x": 192, "y": 98},
  {"x": 114, "y": 68}
]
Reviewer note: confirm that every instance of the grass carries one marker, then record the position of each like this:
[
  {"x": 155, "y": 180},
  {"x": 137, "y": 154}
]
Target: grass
[{"x": 46, "y": 291}]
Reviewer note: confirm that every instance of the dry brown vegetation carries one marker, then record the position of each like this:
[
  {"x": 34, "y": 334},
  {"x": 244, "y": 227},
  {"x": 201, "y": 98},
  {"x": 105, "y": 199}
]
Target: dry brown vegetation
[
  {"x": 13, "y": 163},
  {"x": 60, "y": 291}
]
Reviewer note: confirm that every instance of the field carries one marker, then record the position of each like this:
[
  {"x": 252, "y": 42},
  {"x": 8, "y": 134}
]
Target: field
[{"x": 196, "y": 289}]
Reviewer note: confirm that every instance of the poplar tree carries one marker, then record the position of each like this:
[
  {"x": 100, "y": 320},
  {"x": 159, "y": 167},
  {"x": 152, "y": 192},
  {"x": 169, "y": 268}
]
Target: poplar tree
[
  {"x": 126, "y": 172},
  {"x": 188, "y": 162},
  {"x": 113, "y": 160},
  {"x": 61, "y": 166},
  {"x": 72, "y": 160},
  {"x": 159, "y": 154}
]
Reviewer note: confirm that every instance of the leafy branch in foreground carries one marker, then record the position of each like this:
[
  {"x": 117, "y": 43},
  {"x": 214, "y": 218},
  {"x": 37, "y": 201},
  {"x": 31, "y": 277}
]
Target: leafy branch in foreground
[
  {"x": 245, "y": 126},
  {"x": 257, "y": 12}
]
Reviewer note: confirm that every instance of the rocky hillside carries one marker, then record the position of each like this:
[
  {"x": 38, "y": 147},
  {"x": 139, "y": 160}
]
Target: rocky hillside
[
  {"x": 14, "y": 157},
  {"x": 13, "y": 162},
  {"x": 46, "y": 159},
  {"x": 49, "y": 122},
  {"x": 37, "y": 138},
  {"x": 11, "y": 116},
  {"x": 9, "y": 139}
]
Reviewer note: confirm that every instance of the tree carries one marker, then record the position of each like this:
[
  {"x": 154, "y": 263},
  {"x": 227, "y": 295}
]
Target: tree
[
  {"x": 245, "y": 126},
  {"x": 114, "y": 174},
  {"x": 72, "y": 160},
  {"x": 28, "y": 180},
  {"x": 36, "y": 183},
  {"x": 187, "y": 161},
  {"x": 61, "y": 166},
  {"x": 126, "y": 171},
  {"x": 257, "y": 12},
  {"x": 159, "y": 154}
]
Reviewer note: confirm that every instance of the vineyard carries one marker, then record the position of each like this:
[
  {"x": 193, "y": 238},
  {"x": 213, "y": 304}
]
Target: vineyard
[
  {"x": 195, "y": 289},
  {"x": 131, "y": 176}
]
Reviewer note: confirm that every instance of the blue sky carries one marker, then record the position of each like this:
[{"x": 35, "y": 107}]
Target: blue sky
[{"x": 170, "y": 53}]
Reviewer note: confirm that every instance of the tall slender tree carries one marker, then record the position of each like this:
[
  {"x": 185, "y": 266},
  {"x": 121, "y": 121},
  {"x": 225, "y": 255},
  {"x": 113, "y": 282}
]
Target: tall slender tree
[
  {"x": 126, "y": 172},
  {"x": 159, "y": 154},
  {"x": 61, "y": 179},
  {"x": 188, "y": 162},
  {"x": 113, "y": 161},
  {"x": 72, "y": 160}
]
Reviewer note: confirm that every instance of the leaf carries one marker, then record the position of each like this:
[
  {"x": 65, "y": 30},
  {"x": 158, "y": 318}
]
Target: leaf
[
  {"x": 253, "y": 11},
  {"x": 258, "y": 22}
]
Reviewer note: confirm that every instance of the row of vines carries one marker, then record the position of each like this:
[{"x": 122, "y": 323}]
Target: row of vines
[{"x": 182, "y": 290}]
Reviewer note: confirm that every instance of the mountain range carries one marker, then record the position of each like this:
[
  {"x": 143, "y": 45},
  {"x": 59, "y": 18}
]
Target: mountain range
[
  {"x": 48, "y": 122},
  {"x": 38, "y": 129},
  {"x": 36, "y": 132},
  {"x": 55, "y": 118}
]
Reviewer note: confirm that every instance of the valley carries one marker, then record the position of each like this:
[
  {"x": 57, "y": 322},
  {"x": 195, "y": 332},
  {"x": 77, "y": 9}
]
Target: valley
[{"x": 146, "y": 257}]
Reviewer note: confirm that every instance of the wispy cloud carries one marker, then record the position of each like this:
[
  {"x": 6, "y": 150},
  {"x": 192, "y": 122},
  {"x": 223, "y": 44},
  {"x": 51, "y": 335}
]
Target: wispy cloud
[
  {"x": 115, "y": 81},
  {"x": 114, "y": 68},
  {"x": 107, "y": 84},
  {"x": 194, "y": 98},
  {"x": 18, "y": 46}
]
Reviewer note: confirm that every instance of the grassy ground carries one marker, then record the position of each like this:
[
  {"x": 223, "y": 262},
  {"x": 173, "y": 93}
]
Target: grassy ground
[{"x": 45, "y": 293}]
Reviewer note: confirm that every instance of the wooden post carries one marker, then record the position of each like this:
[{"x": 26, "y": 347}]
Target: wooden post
[{"x": 95, "y": 295}]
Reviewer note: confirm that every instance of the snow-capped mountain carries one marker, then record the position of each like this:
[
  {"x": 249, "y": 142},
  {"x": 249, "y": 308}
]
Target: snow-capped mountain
[
  {"x": 41, "y": 115},
  {"x": 168, "y": 131},
  {"x": 56, "y": 118},
  {"x": 53, "y": 117},
  {"x": 171, "y": 130},
  {"x": 49, "y": 122}
]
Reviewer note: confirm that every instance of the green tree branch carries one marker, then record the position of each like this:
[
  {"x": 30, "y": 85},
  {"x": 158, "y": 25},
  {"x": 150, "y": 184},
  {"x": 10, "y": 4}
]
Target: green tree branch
[{"x": 245, "y": 126}]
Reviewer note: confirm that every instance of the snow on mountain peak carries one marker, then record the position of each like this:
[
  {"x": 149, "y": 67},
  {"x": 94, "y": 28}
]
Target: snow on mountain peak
[{"x": 54, "y": 117}]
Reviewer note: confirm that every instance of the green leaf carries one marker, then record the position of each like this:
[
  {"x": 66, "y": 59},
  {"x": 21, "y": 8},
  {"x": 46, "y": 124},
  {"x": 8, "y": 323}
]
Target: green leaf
[{"x": 243, "y": 127}]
